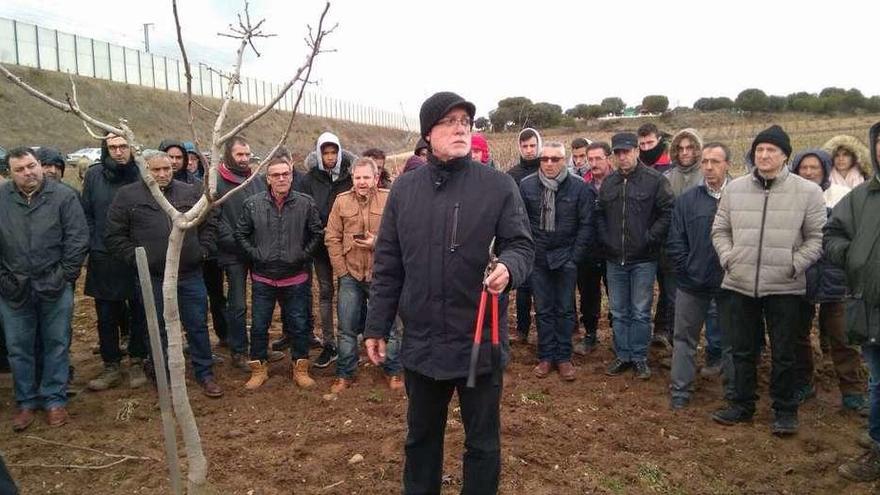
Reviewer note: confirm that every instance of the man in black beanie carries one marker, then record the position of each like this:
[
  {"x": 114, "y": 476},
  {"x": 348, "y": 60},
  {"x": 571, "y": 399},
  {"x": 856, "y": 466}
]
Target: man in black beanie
[
  {"x": 767, "y": 232},
  {"x": 430, "y": 255}
]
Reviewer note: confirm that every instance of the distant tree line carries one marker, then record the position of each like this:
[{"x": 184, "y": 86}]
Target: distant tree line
[{"x": 518, "y": 112}]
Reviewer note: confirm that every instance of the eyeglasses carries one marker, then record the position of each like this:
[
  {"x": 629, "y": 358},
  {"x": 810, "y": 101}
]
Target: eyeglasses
[
  {"x": 452, "y": 121},
  {"x": 551, "y": 159},
  {"x": 282, "y": 175}
]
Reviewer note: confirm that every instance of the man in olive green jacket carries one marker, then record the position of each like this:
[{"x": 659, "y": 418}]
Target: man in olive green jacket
[
  {"x": 767, "y": 232},
  {"x": 852, "y": 241}
]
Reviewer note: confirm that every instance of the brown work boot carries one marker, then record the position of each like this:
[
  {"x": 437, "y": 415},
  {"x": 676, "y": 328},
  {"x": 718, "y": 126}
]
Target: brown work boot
[
  {"x": 300, "y": 373},
  {"x": 56, "y": 416},
  {"x": 259, "y": 374},
  {"x": 566, "y": 371},
  {"x": 395, "y": 382},
  {"x": 210, "y": 388},
  {"x": 865, "y": 468},
  {"x": 22, "y": 419},
  {"x": 543, "y": 369},
  {"x": 340, "y": 384}
]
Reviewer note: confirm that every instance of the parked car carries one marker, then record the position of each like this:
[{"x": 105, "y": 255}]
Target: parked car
[{"x": 92, "y": 154}]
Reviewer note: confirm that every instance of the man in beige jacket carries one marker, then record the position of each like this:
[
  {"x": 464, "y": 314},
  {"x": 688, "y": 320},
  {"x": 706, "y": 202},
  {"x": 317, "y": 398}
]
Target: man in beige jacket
[
  {"x": 350, "y": 235},
  {"x": 767, "y": 232}
]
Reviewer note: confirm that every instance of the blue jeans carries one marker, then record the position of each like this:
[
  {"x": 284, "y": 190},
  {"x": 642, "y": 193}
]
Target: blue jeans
[
  {"x": 192, "y": 303},
  {"x": 294, "y": 301},
  {"x": 871, "y": 354},
  {"x": 236, "y": 307},
  {"x": 523, "y": 308},
  {"x": 349, "y": 314},
  {"x": 48, "y": 321},
  {"x": 714, "y": 343},
  {"x": 554, "y": 309},
  {"x": 631, "y": 289}
]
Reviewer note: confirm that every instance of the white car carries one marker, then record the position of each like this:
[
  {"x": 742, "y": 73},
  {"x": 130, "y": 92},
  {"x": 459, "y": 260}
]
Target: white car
[{"x": 92, "y": 154}]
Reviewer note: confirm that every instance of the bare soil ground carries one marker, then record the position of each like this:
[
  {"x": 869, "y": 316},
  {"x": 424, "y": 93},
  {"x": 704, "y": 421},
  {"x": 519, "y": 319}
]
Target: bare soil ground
[{"x": 596, "y": 435}]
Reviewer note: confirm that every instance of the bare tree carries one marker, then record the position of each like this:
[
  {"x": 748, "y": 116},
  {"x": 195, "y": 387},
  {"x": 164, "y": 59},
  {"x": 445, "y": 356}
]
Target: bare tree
[{"x": 246, "y": 32}]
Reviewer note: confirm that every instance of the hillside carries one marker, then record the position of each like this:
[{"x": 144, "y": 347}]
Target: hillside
[{"x": 157, "y": 114}]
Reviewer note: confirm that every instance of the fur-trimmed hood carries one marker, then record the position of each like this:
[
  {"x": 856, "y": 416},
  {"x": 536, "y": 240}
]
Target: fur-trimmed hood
[
  {"x": 685, "y": 133},
  {"x": 863, "y": 156}
]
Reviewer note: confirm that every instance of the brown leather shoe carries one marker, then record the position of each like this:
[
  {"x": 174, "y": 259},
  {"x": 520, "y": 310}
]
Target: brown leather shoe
[
  {"x": 543, "y": 369},
  {"x": 340, "y": 385},
  {"x": 566, "y": 371},
  {"x": 395, "y": 382},
  {"x": 56, "y": 416},
  {"x": 22, "y": 419},
  {"x": 211, "y": 389}
]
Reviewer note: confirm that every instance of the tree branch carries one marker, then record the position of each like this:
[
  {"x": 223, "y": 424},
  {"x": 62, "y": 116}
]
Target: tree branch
[{"x": 187, "y": 72}]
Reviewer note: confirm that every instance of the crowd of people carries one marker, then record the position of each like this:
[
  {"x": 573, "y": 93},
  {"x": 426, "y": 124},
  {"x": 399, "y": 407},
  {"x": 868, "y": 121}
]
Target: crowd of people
[{"x": 401, "y": 260}]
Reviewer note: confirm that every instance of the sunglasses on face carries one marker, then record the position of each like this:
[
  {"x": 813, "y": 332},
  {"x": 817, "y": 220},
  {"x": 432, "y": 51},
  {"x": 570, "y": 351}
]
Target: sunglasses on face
[{"x": 551, "y": 159}]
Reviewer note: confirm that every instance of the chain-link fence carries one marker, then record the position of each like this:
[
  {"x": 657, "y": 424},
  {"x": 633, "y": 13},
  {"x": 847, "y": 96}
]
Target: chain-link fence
[{"x": 33, "y": 46}]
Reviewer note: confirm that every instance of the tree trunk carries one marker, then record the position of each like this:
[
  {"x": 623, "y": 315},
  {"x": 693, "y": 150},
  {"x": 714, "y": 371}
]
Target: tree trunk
[{"x": 198, "y": 465}]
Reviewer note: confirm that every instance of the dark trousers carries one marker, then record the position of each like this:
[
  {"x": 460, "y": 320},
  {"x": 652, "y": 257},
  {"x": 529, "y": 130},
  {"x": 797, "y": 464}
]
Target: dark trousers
[
  {"x": 236, "y": 307},
  {"x": 664, "y": 314},
  {"x": 555, "y": 313},
  {"x": 213, "y": 275},
  {"x": 427, "y": 410},
  {"x": 744, "y": 316},
  {"x": 113, "y": 317},
  {"x": 7, "y": 485},
  {"x": 847, "y": 362},
  {"x": 524, "y": 308},
  {"x": 324, "y": 274},
  {"x": 589, "y": 284}
]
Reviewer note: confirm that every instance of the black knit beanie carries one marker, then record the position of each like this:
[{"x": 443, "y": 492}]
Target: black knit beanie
[
  {"x": 775, "y": 136},
  {"x": 438, "y": 105}
]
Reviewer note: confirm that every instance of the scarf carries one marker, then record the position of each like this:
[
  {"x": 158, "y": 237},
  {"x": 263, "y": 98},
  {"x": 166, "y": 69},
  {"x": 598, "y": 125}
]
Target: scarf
[
  {"x": 651, "y": 156},
  {"x": 548, "y": 199},
  {"x": 851, "y": 180},
  {"x": 233, "y": 175}
]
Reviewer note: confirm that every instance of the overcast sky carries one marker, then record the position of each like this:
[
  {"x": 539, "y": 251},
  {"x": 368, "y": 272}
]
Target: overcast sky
[{"x": 393, "y": 54}]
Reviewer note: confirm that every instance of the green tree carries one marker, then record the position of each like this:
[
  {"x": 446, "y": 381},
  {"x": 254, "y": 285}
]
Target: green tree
[
  {"x": 544, "y": 115},
  {"x": 777, "y": 103},
  {"x": 752, "y": 100},
  {"x": 613, "y": 105},
  {"x": 655, "y": 104},
  {"x": 482, "y": 124}
]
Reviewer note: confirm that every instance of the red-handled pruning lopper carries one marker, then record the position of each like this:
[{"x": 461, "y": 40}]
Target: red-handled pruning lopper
[{"x": 478, "y": 331}]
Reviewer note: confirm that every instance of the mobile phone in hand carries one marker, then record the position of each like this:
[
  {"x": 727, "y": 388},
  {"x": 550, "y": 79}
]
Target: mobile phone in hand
[{"x": 361, "y": 236}]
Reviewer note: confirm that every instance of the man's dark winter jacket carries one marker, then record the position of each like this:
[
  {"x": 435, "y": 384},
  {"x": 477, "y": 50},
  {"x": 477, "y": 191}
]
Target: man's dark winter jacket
[
  {"x": 633, "y": 215},
  {"x": 228, "y": 251},
  {"x": 689, "y": 247},
  {"x": 182, "y": 175},
  {"x": 852, "y": 241},
  {"x": 525, "y": 168},
  {"x": 431, "y": 252},
  {"x": 279, "y": 242},
  {"x": 42, "y": 243},
  {"x": 575, "y": 229},
  {"x": 135, "y": 219}
]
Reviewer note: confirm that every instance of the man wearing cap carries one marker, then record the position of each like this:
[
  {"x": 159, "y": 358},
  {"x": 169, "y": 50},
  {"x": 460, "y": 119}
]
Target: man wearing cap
[
  {"x": 633, "y": 215},
  {"x": 767, "y": 232},
  {"x": 430, "y": 256}
]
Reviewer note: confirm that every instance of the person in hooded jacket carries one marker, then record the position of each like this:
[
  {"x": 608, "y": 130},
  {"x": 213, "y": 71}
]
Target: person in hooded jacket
[
  {"x": 530, "y": 147},
  {"x": 826, "y": 286},
  {"x": 852, "y": 242},
  {"x": 850, "y": 161},
  {"x": 196, "y": 162},
  {"x": 176, "y": 152},
  {"x": 330, "y": 177},
  {"x": 480, "y": 150},
  {"x": 430, "y": 263},
  {"x": 110, "y": 281}
]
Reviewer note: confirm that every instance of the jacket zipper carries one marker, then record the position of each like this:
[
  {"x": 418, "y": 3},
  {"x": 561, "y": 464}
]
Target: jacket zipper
[
  {"x": 761, "y": 241},
  {"x": 453, "y": 245},
  {"x": 623, "y": 228}
]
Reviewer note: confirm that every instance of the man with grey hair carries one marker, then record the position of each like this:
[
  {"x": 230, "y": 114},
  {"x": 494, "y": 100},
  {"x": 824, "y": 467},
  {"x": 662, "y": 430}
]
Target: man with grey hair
[
  {"x": 560, "y": 210},
  {"x": 135, "y": 219}
]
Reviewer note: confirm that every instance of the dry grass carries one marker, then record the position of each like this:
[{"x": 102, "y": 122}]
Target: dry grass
[
  {"x": 157, "y": 114},
  {"x": 806, "y": 131}
]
